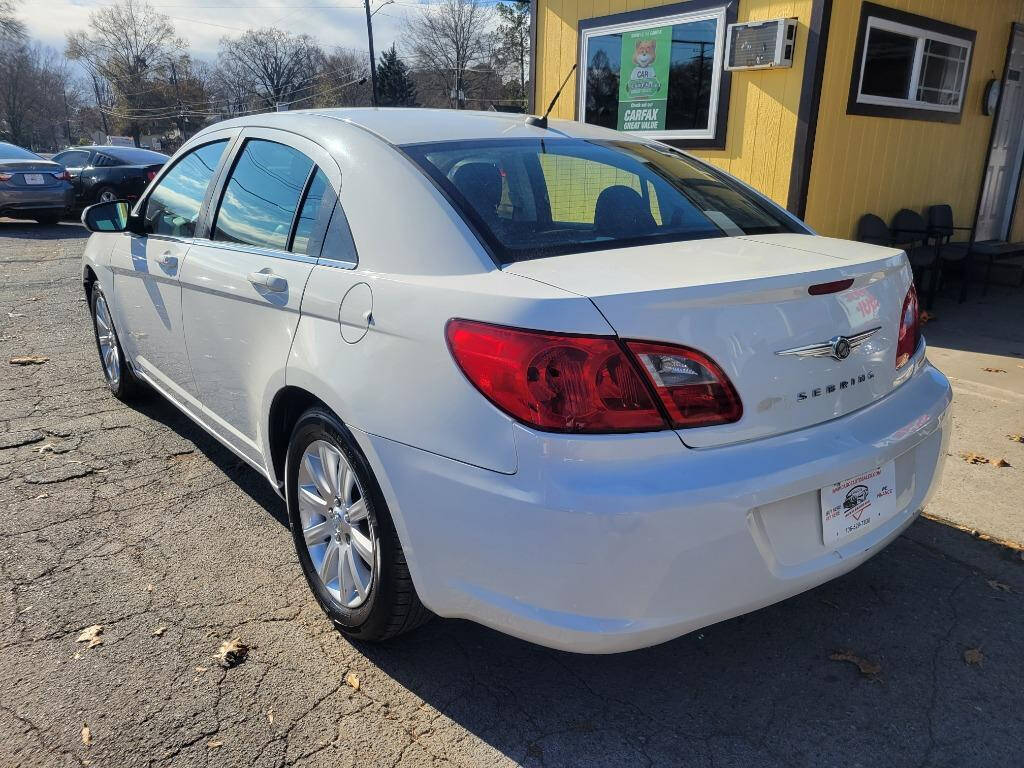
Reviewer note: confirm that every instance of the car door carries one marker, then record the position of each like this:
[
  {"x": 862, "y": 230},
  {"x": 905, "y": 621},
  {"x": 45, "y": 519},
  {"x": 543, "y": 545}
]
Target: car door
[
  {"x": 74, "y": 161},
  {"x": 243, "y": 281},
  {"x": 147, "y": 292}
]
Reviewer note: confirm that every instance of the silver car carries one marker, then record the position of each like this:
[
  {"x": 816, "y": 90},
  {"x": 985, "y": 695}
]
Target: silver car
[{"x": 31, "y": 187}]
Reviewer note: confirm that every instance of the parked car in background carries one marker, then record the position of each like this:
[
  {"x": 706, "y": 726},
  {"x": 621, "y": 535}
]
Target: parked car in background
[
  {"x": 31, "y": 187},
  {"x": 103, "y": 174},
  {"x": 570, "y": 383}
]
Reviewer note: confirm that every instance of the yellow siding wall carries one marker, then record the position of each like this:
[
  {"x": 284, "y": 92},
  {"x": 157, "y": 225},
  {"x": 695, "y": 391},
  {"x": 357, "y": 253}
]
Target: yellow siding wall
[
  {"x": 879, "y": 165},
  {"x": 762, "y": 107}
]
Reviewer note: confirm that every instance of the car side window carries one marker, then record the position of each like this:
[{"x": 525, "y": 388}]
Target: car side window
[
  {"x": 309, "y": 212},
  {"x": 262, "y": 195},
  {"x": 72, "y": 159},
  {"x": 173, "y": 207}
]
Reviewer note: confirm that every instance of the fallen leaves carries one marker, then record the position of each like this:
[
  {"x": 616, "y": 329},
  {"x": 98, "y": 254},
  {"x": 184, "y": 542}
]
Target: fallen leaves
[
  {"x": 86, "y": 735},
  {"x": 974, "y": 657},
  {"x": 976, "y": 458},
  {"x": 91, "y": 635},
  {"x": 352, "y": 680},
  {"x": 1016, "y": 438},
  {"x": 270, "y": 715},
  {"x": 868, "y": 669},
  {"x": 214, "y": 744},
  {"x": 998, "y": 585},
  {"x": 28, "y": 360},
  {"x": 232, "y": 653},
  {"x": 159, "y": 631},
  {"x": 988, "y": 369}
]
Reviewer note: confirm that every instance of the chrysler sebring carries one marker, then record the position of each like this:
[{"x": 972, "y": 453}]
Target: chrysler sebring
[{"x": 569, "y": 383}]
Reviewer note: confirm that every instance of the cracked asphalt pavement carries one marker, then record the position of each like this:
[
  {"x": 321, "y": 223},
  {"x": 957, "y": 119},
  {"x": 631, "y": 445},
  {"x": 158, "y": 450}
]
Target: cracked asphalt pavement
[{"x": 135, "y": 519}]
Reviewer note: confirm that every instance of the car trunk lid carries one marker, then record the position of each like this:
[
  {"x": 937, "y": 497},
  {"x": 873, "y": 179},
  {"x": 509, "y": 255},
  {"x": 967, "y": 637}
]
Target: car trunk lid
[
  {"x": 742, "y": 301},
  {"x": 18, "y": 169}
]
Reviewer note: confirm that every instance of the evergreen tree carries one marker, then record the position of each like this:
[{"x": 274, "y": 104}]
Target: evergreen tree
[{"x": 395, "y": 88}]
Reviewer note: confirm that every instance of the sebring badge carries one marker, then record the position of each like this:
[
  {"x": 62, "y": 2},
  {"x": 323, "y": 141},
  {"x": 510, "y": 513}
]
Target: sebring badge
[{"x": 838, "y": 347}]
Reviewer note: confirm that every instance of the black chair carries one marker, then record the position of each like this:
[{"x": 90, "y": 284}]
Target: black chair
[
  {"x": 910, "y": 232},
  {"x": 950, "y": 254},
  {"x": 871, "y": 229},
  {"x": 970, "y": 251}
]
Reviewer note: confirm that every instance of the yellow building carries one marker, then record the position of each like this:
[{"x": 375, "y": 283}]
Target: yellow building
[{"x": 902, "y": 105}]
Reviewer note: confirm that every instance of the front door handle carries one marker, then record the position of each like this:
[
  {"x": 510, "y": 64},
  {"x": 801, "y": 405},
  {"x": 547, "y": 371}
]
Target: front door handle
[
  {"x": 270, "y": 281},
  {"x": 167, "y": 260}
]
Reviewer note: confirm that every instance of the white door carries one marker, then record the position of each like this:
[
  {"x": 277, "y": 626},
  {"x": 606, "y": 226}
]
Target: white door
[
  {"x": 242, "y": 285},
  {"x": 147, "y": 293},
  {"x": 1003, "y": 173}
]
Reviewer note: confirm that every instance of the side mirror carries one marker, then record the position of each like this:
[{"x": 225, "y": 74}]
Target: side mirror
[{"x": 106, "y": 217}]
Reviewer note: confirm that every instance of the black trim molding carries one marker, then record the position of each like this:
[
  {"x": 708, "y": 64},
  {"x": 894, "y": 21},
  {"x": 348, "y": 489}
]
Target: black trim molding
[
  {"x": 807, "y": 113},
  {"x": 853, "y": 107},
  {"x": 648, "y": 14}
]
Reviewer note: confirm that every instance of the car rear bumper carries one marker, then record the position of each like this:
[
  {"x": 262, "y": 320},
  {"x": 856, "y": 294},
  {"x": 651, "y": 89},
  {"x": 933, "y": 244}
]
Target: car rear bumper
[
  {"x": 22, "y": 201},
  {"x": 608, "y": 543}
]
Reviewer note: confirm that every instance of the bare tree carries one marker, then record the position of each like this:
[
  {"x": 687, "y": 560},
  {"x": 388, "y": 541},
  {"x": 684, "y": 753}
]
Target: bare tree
[
  {"x": 130, "y": 45},
  {"x": 447, "y": 39},
  {"x": 512, "y": 48},
  {"x": 270, "y": 66},
  {"x": 39, "y": 97},
  {"x": 344, "y": 81},
  {"x": 10, "y": 25}
]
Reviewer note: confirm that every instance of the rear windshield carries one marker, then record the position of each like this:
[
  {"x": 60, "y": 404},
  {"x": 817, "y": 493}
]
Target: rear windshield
[
  {"x": 11, "y": 152},
  {"x": 135, "y": 155},
  {"x": 530, "y": 198}
]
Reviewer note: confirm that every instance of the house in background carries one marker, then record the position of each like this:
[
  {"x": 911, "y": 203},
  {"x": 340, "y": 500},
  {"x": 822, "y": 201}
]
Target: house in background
[{"x": 883, "y": 107}]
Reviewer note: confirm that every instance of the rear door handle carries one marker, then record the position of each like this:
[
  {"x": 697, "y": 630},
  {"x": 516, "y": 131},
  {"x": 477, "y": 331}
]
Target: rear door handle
[
  {"x": 167, "y": 260},
  {"x": 270, "y": 281}
]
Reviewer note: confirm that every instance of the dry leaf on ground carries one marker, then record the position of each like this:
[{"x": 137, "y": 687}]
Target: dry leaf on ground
[
  {"x": 159, "y": 631},
  {"x": 91, "y": 635},
  {"x": 998, "y": 585},
  {"x": 86, "y": 735},
  {"x": 352, "y": 680},
  {"x": 869, "y": 669},
  {"x": 215, "y": 744},
  {"x": 974, "y": 458},
  {"x": 988, "y": 369},
  {"x": 1016, "y": 438},
  {"x": 1001, "y": 463},
  {"x": 149, "y": 587},
  {"x": 974, "y": 656},
  {"x": 232, "y": 653},
  {"x": 28, "y": 359},
  {"x": 270, "y": 715}
]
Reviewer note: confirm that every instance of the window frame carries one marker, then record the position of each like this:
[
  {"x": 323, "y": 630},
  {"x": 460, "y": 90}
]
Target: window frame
[
  {"x": 922, "y": 28},
  {"x": 723, "y": 11}
]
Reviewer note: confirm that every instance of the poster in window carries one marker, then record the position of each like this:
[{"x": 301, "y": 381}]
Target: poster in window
[{"x": 644, "y": 92}]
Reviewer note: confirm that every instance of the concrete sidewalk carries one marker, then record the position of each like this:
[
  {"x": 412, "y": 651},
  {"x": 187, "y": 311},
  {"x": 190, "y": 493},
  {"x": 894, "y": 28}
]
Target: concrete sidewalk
[{"x": 979, "y": 345}]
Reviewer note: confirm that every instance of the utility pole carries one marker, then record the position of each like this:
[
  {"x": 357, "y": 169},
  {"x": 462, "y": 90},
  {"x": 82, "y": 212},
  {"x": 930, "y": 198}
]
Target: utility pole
[{"x": 373, "y": 60}]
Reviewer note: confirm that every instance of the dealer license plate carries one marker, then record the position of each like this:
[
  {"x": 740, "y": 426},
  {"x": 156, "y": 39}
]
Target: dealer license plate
[
  {"x": 854, "y": 506},
  {"x": 34, "y": 178}
]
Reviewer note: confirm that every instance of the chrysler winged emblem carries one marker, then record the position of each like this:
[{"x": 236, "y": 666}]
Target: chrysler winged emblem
[{"x": 838, "y": 347}]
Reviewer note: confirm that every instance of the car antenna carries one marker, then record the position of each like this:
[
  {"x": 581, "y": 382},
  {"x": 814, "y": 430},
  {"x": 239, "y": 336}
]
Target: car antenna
[{"x": 542, "y": 122}]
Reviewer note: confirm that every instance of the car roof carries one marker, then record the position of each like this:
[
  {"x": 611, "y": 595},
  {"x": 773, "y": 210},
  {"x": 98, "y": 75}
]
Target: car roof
[{"x": 413, "y": 126}]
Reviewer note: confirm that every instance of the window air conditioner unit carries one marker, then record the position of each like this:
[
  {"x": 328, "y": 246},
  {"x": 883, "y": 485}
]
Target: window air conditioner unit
[{"x": 760, "y": 44}]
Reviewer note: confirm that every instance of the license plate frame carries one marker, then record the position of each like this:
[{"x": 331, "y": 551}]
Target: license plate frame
[
  {"x": 852, "y": 507},
  {"x": 34, "y": 179}
]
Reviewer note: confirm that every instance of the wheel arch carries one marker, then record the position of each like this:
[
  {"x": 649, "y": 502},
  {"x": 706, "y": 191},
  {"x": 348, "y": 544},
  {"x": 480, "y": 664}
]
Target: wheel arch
[{"x": 288, "y": 404}]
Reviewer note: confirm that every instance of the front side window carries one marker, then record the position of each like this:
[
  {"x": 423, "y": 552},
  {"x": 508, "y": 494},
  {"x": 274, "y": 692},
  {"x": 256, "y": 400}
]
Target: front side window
[
  {"x": 909, "y": 66},
  {"x": 74, "y": 159},
  {"x": 262, "y": 195},
  {"x": 173, "y": 207},
  {"x": 661, "y": 77},
  {"x": 530, "y": 198}
]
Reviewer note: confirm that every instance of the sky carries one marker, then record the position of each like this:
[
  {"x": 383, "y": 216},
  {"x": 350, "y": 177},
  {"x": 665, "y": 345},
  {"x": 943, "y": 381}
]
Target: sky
[{"x": 203, "y": 22}]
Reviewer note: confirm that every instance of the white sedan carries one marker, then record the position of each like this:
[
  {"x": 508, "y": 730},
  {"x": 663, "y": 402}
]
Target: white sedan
[{"x": 571, "y": 384}]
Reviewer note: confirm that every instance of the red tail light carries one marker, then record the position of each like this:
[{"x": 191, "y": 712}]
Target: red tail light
[
  {"x": 62, "y": 176},
  {"x": 572, "y": 383},
  {"x": 150, "y": 175},
  {"x": 910, "y": 329},
  {"x": 693, "y": 389}
]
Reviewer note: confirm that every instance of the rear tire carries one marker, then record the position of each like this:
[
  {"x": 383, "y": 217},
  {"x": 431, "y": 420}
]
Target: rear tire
[
  {"x": 120, "y": 378},
  {"x": 48, "y": 219},
  {"x": 366, "y": 589},
  {"x": 106, "y": 195}
]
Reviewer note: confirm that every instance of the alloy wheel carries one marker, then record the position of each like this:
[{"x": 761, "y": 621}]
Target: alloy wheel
[
  {"x": 109, "y": 353},
  {"x": 336, "y": 527},
  {"x": 107, "y": 196}
]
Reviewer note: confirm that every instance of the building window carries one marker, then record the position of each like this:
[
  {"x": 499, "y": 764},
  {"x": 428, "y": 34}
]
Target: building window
[
  {"x": 909, "y": 66},
  {"x": 656, "y": 73}
]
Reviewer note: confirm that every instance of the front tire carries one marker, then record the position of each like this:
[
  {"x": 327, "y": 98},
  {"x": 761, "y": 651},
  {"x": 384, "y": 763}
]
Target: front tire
[
  {"x": 106, "y": 195},
  {"x": 344, "y": 536},
  {"x": 120, "y": 378},
  {"x": 48, "y": 219}
]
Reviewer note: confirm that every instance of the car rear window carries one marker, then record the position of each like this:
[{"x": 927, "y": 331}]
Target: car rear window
[
  {"x": 13, "y": 152},
  {"x": 530, "y": 198},
  {"x": 135, "y": 155}
]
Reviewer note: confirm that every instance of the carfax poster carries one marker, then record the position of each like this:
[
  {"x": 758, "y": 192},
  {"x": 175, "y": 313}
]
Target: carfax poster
[{"x": 643, "y": 79}]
